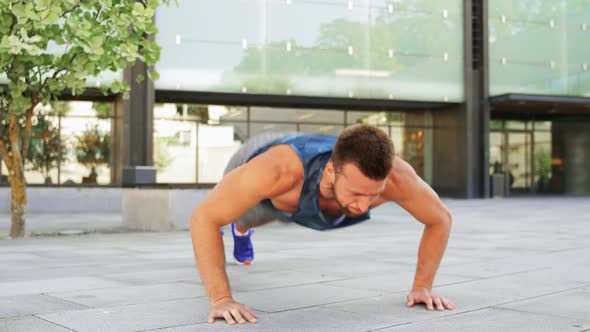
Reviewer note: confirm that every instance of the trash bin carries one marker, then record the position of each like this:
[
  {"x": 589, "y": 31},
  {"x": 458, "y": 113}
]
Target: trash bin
[{"x": 499, "y": 185}]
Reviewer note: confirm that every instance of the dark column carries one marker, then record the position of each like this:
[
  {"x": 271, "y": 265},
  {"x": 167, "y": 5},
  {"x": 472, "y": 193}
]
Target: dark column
[
  {"x": 571, "y": 156},
  {"x": 476, "y": 99},
  {"x": 134, "y": 128},
  {"x": 449, "y": 152},
  {"x": 460, "y": 135},
  {"x": 115, "y": 162}
]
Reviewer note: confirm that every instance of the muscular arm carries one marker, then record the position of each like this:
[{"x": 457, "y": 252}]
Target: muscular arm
[
  {"x": 265, "y": 176},
  {"x": 408, "y": 190}
]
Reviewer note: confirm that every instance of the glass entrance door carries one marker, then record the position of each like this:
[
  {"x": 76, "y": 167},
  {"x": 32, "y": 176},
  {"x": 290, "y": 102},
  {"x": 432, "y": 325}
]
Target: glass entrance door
[
  {"x": 518, "y": 161},
  {"x": 520, "y": 157},
  {"x": 510, "y": 157}
]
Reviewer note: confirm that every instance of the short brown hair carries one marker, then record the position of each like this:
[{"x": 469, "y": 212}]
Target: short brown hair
[{"x": 366, "y": 146}]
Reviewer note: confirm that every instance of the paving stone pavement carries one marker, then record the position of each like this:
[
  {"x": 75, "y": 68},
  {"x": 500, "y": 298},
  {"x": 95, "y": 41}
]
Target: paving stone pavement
[{"x": 518, "y": 264}]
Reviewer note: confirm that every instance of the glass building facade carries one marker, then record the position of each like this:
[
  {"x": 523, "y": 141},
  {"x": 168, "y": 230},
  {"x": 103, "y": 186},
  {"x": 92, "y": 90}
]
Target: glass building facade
[
  {"x": 538, "y": 47},
  {"x": 193, "y": 143},
  {"x": 334, "y": 48},
  {"x": 469, "y": 91},
  {"x": 71, "y": 144}
]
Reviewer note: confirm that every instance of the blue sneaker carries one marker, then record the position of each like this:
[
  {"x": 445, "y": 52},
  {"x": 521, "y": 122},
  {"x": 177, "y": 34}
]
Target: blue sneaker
[{"x": 243, "y": 250}]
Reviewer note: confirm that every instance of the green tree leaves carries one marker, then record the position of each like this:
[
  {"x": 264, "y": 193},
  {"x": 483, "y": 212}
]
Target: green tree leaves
[{"x": 53, "y": 45}]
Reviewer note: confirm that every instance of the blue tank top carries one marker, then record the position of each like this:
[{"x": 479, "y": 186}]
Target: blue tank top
[{"x": 315, "y": 151}]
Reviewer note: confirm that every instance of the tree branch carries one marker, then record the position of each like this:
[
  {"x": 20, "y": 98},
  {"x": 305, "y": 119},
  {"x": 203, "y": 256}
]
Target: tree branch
[
  {"x": 98, "y": 12},
  {"x": 70, "y": 10},
  {"x": 3, "y": 152},
  {"x": 14, "y": 20},
  {"x": 59, "y": 71}
]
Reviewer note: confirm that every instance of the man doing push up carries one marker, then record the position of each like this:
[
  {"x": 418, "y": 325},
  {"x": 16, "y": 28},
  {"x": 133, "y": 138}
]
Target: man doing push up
[{"x": 320, "y": 182}]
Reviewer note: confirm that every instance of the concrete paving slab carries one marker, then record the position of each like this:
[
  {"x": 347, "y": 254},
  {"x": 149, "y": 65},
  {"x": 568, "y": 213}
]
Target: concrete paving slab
[
  {"x": 353, "y": 268},
  {"x": 310, "y": 319},
  {"x": 490, "y": 268},
  {"x": 296, "y": 297},
  {"x": 519, "y": 286},
  {"x": 393, "y": 306},
  {"x": 21, "y": 258},
  {"x": 493, "y": 320},
  {"x": 24, "y": 305},
  {"x": 28, "y": 324},
  {"x": 133, "y": 317},
  {"x": 276, "y": 279},
  {"x": 102, "y": 270},
  {"x": 515, "y": 252},
  {"x": 156, "y": 275},
  {"x": 55, "y": 285},
  {"x": 570, "y": 304},
  {"x": 133, "y": 294},
  {"x": 393, "y": 282},
  {"x": 53, "y": 223}
]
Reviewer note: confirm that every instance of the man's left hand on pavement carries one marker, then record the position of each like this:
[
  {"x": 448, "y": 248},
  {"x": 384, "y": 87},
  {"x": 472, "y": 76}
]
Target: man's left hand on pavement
[{"x": 424, "y": 295}]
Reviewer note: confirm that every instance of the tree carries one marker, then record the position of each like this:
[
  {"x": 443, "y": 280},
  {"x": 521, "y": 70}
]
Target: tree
[{"x": 48, "y": 46}]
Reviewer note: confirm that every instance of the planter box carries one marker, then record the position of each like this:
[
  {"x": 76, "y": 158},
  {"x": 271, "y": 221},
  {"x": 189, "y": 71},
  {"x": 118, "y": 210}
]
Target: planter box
[{"x": 160, "y": 209}]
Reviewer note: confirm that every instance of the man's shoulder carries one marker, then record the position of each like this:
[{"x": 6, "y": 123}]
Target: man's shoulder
[
  {"x": 273, "y": 172},
  {"x": 284, "y": 159},
  {"x": 401, "y": 177}
]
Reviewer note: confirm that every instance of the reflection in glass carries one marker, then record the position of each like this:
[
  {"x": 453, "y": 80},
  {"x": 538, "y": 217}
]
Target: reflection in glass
[
  {"x": 235, "y": 113},
  {"x": 543, "y": 125},
  {"x": 70, "y": 144},
  {"x": 540, "y": 40},
  {"x": 519, "y": 161},
  {"x": 175, "y": 151},
  {"x": 333, "y": 130},
  {"x": 496, "y": 124},
  {"x": 515, "y": 124},
  {"x": 397, "y": 138},
  {"x": 217, "y": 144},
  {"x": 368, "y": 49},
  {"x": 212, "y": 114},
  {"x": 88, "y": 156},
  {"x": 258, "y": 128},
  {"x": 181, "y": 111},
  {"x": 417, "y": 151},
  {"x": 542, "y": 155},
  {"x": 376, "y": 119},
  {"x": 92, "y": 147},
  {"x": 296, "y": 115},
  {"x": 496, "y": 165},
  {"x": 185, "y": 152},
  {"x": 240, "y": 130},
  {"x": 46, "y": 151}
]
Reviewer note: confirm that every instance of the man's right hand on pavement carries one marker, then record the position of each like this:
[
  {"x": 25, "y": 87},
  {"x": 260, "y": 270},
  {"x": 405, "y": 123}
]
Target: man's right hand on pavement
[{"x": 232, "y": 311}]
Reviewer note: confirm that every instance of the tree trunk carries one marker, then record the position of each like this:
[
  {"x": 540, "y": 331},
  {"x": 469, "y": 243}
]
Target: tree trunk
[
  {"x": 19, "y": 201},
  {"x": 16, "y": 170}
]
